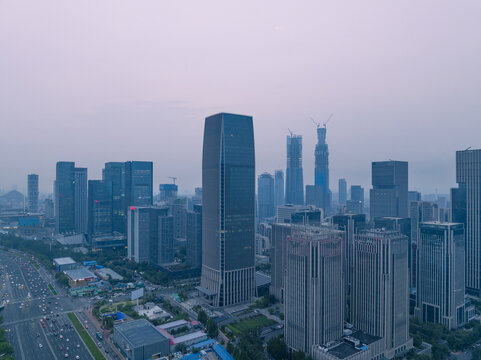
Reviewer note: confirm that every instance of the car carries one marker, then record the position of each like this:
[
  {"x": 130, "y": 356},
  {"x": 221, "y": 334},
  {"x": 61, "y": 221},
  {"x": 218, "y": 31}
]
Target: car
[
  {"x": 77, "y": 357},
  {"x": 78, "y": 345},
  {"x": 40, "y": 346},
  {"x": 66, "y": 355},
  {"x": 60, "y": 348}
]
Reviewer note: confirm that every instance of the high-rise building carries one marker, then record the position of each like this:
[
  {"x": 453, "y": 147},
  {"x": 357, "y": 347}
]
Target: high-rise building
[
  {"x": 228, "y": 209},
  {"x": 81, "y": 201},
  {"x": 265, "y": 196},
  {"x": 414, "y": 196},
  {"x": 65, "y": 197},
  {"x": 279, "y": 234},
  {"x": 32, "y": 197},
  {"x": 355, "y": 207},
  {"x": 389, "y": 195},
  {"x": 114, "y": 177},
  {"x": 178, "y": 208},
  {"x": 315, "y": 196},
  {"x": 380, "y": 288},
  {"x": 466, "y": 209},
  {"x": 278, "y": 188},
  {"x": 138, "y": 183},
  {"x": 357, "y": 193},
  {"x": 440, "y": 286},
  {"x": 149, "y": 235},
  {"x": 342, "y": 191},
  {"x": 314, "y": 288},
  {"x": 294, "y": 174},
  {"x": 194, "y": 237},
  {"x": 168, "y": 192},
  {"x": 321, "y": 171},
  {"x": 99, "y": 209}
]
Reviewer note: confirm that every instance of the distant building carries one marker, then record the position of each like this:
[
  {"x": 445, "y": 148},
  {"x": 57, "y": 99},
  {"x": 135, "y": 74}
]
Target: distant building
[
  {"x": 279, "y": 235},
  {"x": 265, "y": 196},
  {"x": 194, "y": 237},
  {"x": 140, "y": 340},
  {"x": 138, "y": 183},
  {"x": 466, "y": 209},
  {"x": 342, "y": 191},
  {"x": 379, "y": 298},
  {"x": 299, "y": 214},
  {"x": 440, "y": 290},
  {"x": 278, "y": 188},
  {"x": 114, "y": 177},
  {"x": 294, "y": 173},
  {"x": 178, "y": 209},
  {"x": 228, "y": 209},
  {"x": 315, "y": 196},
  {"x": 321, "y": 168},
  {"x": 81, "y": 201},
  {"x": 168, "y": 192},
  {"x": 32, "y": 197},
  {"x": 414, "y": 196},
  {"x": 99, "y": 209},
  {"x": 389, "y": 195},
  {"x": 354, "y": 206},
  {"x": 357, "y": 194},
  {"x": 314, "y": 288}
]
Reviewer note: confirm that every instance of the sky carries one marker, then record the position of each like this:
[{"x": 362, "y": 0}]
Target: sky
[{"x": 97, "y": 81}]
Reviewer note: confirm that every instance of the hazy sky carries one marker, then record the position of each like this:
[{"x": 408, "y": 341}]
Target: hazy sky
[{"x": 98, "y": 81}]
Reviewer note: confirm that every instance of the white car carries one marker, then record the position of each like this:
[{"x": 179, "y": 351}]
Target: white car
[{"x": 40, "y": 346}]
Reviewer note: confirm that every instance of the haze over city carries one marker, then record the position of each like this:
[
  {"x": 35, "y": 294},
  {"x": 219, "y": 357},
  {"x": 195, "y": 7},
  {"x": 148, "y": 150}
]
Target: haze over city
[{"x": 117, "y": 81}]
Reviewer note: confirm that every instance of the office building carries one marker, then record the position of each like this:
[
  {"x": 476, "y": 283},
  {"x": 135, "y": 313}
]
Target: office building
[
  {"x": 314, "y": 288},
  {"x": 354, "y": 206},
  {"x": 32, "y": 193},
  {"x": 194, "y": 237},
  {"x": 278, "y": 188},
  {"x": 114, "y": 177},
  {"x": 357, "y": 193},
  {"x": 380, "y": 288},
  {"x": 168, "y": 192},
  {"x": 414, "y": 196},
  {"x": 265, "y": 196},
  {"x": 138, "y": 183},
  {"x": 279, "y": 234},
  {"x": 342, "y": 191},
  {"x": 315, "y": 196},
  {"x": 99, "y": 209},
  {"x": 228, "y": 209},
  {"x": 178, "y": 210},
  {"x": 389, "y": 195},
  {"x": 422, "y": 211},
  {"x": 299, "y": 214},
  {"x": 466, "y": 209},
  {"x": 294, "y": 173},
  {"x": 321, "y": 168},
  {"x": 441, "y": 287},
  {"x": 148, "y": 238},
  {"x": 81, "y": 201}
]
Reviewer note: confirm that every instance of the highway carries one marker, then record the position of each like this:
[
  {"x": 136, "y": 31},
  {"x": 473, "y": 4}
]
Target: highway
[{"x": 36, "y": 321}]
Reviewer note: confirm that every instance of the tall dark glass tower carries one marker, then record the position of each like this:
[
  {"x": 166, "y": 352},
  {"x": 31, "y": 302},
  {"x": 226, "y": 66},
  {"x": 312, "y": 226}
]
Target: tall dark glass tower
[
  {"x": 138, "y": 183},
  {"x": 32, "y": 193},
  {"x": 321, "y": 171},
  {"x": 114, "y": 177},
  {"x": 265, "y": 196},
  {"x": 64, "y": 197},
  {"x": 294, "y": 176},
  {"x": 99, "y": 209},
  {"x": 278, "y": 189},
  {"x": 228, "y": 219}
]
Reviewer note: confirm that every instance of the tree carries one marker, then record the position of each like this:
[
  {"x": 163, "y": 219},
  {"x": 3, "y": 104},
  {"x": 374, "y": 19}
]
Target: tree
[
  {"x": 202, "y": 317},
  {"x": 181, "y": 347},
  {"x": 276, "y": 347},
  {"x": 212, "y": 329},
  {"x": 298, "y": 355},
  {"x": 476, "y": 354}
]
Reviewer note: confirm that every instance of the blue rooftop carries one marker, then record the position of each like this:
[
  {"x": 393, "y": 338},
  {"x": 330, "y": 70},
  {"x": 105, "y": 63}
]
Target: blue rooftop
[
  {"x": 191, "y": 357},
  {"x": 204, "y": 344},
  {"x": 222, "y": 353}
]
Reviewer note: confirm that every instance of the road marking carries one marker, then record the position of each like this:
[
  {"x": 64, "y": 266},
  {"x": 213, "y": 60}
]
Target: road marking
[
  {"x": 49, "y": 345},
  {"x": 19, "y": 342}
]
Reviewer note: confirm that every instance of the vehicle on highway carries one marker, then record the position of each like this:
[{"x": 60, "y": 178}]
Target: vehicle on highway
[{"x": 40, "y": 346}]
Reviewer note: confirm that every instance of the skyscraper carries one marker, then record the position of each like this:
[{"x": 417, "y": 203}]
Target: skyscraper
[
  {"x": 315, "y": 196},
  {"x": 466, "y": 209},
  {"x": 357, "y": 193},
  {"x": 389, "y": 195},
  {"x": 279, "y": 234},
  {"x": 440, "y": 290},
  {"x": 81, "y": 200},
  {"x": 32, "y": 197},
  {"x": 168, "y": 192},
  {"x": 342, "y": 191},
  {"x": 228, "y": 209},
  {"x": 99, "y": 209},
  {"x": 114, "y": 177},
  {"x": 64, "y": 197},
  {"x": 265, "y": 196},
  {"x": 314, "y": 286},
  {"x": 138, "y": 183},
  {"x": 278, "y": 188},
  {"x": 380, "y": 288},
  {"x": 194, "y": 237},
  {"x": 294, "y": 175},
  {"x": 321, "y": 171}
]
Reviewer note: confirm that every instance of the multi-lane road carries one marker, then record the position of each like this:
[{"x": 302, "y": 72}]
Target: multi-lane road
[{"x": 35, "y": 320}]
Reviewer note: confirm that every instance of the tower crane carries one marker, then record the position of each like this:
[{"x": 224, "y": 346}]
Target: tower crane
[{"x": 173, "y": 178}]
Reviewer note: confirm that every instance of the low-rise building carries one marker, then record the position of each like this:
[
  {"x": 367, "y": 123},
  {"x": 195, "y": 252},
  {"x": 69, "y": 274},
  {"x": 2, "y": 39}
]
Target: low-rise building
[
  {"x": 65, "y": 263},
  {"x": 79, "y": 277}
]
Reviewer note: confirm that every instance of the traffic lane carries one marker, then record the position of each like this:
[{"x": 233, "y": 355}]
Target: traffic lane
[
  {"x": 29, "y": 342},
  {"x": 106, "y": 347}
]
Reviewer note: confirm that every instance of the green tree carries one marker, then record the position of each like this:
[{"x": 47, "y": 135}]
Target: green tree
[
  {"x": 299, "y": 355},
  {"x": 276, "y": 347},
  {"x": 202, "y": 317},
  {"x": 476, "y": 354},
  {"x": 212, "y": 329}
]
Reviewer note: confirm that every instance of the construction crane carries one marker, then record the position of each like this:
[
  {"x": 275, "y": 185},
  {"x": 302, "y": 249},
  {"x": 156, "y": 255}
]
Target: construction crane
[
  {"x": 329, "y": 118},
  {"x": 290, "y": 132},
  {"x": 173, "y": 178},
  {"x": 316, "y": 123}
]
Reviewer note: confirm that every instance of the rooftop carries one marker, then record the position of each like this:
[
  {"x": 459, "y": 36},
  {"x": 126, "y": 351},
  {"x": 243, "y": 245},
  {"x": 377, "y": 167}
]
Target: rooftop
[
  {"x": 189, "y": 337},
  {"x": 343, "y": 350},
  {"x": 262, "y": 279},
  {"x": 222, "y": 353},
  {"x": 172, "y": 324},
  {"x": 106, "y": 271},
  {"x": 80, "y": 274},
  {"x": 64, "y": 261},
  {"x": 139, "y": 332},
  {"x": 364, "y": 337}
]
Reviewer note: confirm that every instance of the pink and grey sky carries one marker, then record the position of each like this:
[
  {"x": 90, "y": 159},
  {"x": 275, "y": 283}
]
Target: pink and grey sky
[{"x": 96, "y": 81}]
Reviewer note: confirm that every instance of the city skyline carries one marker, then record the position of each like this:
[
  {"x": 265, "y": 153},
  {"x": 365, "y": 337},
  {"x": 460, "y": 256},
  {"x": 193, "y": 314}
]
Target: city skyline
[{"x": 303, "y": 81}]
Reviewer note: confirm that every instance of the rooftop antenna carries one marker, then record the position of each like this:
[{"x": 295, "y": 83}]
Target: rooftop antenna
[
  {"x": 173, "y": 178},
  {"x": 329, "y": 118}
]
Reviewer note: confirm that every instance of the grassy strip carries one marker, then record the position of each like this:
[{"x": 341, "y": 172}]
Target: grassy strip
[
  {"x": 251, "y": 323},
  {"x": 94, "y": 350},
  {"x": 52, "y": 289}
]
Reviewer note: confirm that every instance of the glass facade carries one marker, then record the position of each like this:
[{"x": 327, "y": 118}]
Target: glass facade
[
  {"x": 64, "y": 197},
  {"x": 294, "y": 175},
  {"x": 114, "y": 177}
]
